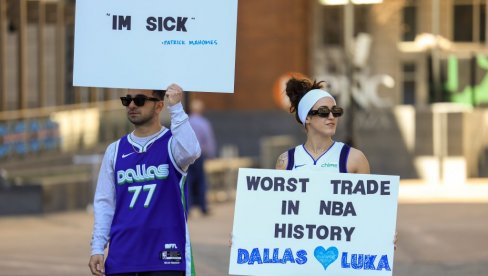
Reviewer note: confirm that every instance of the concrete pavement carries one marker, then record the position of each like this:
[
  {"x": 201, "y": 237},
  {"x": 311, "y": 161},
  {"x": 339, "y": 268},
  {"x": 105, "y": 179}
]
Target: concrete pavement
[{"x": 441, "y": 239}]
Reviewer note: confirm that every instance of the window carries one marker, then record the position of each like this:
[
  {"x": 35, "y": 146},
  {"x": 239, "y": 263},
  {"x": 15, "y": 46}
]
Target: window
[
  {"x": 333, "y": 23},
  {"x": 409, "y": 24},
  {"x": 463, "y": 23},
  {"x": 482, "y": 23},
  {"x": 469, "y": 21},
  {"x": 408, "y": 84},
  {"x": 333, "y": 26}
]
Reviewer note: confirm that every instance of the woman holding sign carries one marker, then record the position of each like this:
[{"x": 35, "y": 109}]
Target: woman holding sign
[{"x": 316, "y": 109}]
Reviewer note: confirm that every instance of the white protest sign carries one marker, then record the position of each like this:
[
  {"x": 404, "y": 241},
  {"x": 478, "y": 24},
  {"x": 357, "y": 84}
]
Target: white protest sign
[
  {"x": 313, "y": 223},
  {"x": 150, "y": 44}
]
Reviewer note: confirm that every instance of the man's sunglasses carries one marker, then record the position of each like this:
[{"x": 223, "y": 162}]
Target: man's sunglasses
[
  {"x": 139, "y": 100},
  {"x": 324, "y": 111}
]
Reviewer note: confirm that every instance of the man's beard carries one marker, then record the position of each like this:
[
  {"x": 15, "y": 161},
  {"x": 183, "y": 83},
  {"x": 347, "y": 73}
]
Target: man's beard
[{"x": 141, "y": 120}]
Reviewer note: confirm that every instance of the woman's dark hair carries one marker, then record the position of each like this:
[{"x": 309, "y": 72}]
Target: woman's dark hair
[
  {"x": 159, "y": 94},
  {"x": 296, "y": 89}
]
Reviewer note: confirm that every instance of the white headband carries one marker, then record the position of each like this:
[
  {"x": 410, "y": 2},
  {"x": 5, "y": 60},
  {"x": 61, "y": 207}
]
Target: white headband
[{"x": 309, "y": 100}]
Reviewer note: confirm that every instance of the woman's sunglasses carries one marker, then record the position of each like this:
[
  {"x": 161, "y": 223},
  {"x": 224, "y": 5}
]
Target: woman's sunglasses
[
  {"x": 139, "y": 100},
  {"x": 324, "y": 111}
]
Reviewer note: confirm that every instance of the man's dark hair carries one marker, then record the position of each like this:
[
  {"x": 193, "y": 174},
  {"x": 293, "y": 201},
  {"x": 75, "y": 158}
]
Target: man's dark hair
[{"x": 159, "y": 94}]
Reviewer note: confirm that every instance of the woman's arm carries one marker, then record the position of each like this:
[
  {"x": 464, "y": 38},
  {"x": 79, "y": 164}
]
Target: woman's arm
[
  {"x": 282, "y": 161},
  {"x": 357, "y": 162}
]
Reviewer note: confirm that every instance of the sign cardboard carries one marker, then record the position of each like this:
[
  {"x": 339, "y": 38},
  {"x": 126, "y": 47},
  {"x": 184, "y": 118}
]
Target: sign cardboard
[
  {"x": 313, "y": 223},
  {"x": 150, "y": 44}
]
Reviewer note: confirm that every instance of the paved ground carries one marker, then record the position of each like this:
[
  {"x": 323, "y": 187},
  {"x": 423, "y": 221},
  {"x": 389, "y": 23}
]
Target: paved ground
[{"x": 434, "y": 240}]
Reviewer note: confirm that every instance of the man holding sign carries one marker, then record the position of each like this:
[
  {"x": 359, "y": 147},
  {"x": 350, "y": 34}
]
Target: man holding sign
[{"x": 140, "y": 197}]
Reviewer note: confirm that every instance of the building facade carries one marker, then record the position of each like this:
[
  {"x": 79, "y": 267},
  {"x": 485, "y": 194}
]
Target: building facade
[{"x": 396, "y": 59}]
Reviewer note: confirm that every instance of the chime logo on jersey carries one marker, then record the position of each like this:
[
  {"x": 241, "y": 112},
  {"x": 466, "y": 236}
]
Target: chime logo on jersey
[
  {"x": 328, "y": 165},
  {"x": 141, "y": 174}
]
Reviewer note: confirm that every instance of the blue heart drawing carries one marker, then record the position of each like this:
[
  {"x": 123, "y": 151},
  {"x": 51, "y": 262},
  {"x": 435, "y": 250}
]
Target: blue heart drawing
[{"x": 326, "y": 257}]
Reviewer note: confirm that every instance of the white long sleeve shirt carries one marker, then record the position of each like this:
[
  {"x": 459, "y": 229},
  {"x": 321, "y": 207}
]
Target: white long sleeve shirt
[{"x": 185, "y": 150}]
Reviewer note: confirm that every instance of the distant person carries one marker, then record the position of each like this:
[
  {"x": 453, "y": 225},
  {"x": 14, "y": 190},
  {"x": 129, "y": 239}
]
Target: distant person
[
  {"x": 317, "y": 111},
  {"x": 197, "y": 179},
  {"x": 4, "y": 183},
  {"x": 139, "y": 201}
]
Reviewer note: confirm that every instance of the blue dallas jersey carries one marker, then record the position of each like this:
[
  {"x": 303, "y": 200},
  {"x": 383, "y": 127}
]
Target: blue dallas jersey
[{"x": 149, "y": 230}]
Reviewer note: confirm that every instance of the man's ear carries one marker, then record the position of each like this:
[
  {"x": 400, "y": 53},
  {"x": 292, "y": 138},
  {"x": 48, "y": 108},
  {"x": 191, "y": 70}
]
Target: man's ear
[{"x": 160, "y": 105}]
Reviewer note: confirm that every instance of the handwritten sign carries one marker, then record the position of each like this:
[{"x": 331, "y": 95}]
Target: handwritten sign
[
  {"x": 313, "y": 223},
  {"x": 149, "y": 44}
]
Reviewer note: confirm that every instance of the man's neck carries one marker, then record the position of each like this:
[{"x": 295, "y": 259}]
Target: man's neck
[{"x": 144, "y": 131}]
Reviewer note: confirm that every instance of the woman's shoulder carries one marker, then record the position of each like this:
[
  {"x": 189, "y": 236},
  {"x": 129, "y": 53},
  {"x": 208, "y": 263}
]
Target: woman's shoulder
[
  {"x": 356, "y": 153},
  {"x": 282, "y": 161},
  {"x": 357, "y": 162}
]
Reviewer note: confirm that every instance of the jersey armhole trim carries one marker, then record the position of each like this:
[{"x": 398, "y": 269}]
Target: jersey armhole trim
[
  {"x": 116, "y": 151},
  {"x": 343, "y": 158},
  {"x": 170, "y": 152},
  {"x": 291, "y": 159}
]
